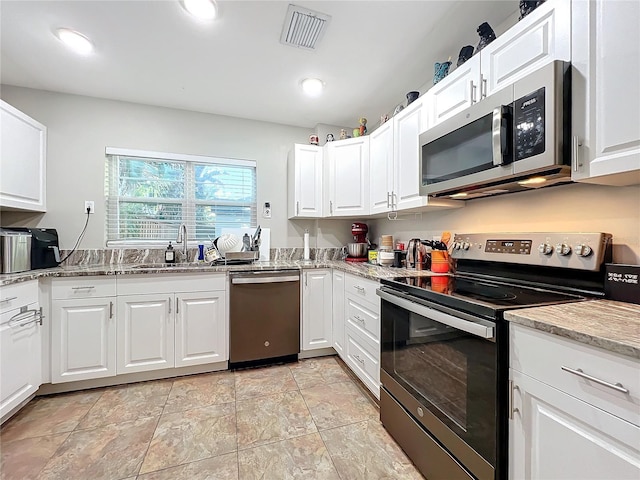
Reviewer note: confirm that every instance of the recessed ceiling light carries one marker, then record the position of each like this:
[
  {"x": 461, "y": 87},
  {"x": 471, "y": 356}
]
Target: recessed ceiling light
[
  {"x": 202, "y": 9},
  {"x": 75, "y": 41},
  {"x": 312, "y": 86}
]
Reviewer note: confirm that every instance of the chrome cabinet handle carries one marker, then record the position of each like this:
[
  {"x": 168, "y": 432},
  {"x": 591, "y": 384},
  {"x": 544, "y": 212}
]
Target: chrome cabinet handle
[
  {"x": 472, "y": 92},
  {"x": 483, "y": 86},
  {"x": 512, "y": 388},
  {"x": 8, "y": 299},
  {"x": 110, "y": 309},
  {"x": 578, "y": 371},
  {"x": 177, "y": 305},
  {"x": 358, "y": 359},
  {"x": 297, "y": 208},
  {"x": 361, "y": 320},
  {"x": 330, "y": 207},
  {"x": 83, "y": 288},
  {"x": 575, "y": 152},
  {"x": 25, "y": 314},
  {"x": 169, "y": 304},
  {"x": 388, "y": 200},
  {"x": 359, "y": 288}
]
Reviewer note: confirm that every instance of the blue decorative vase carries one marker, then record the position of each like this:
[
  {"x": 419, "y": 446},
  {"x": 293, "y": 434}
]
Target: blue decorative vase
[{"x": 441, "y": 71}]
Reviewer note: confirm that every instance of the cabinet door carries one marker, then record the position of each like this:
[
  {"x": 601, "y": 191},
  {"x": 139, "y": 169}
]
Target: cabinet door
[
  {"x": 381, "y": 168},
  {"x": 83, "y": 339},
  {"x": 338, "y": 312},
  {"x": 201, "y": 328},
  {"x": 348, "y": 177},
  {"x": 145, "y": 333},
  {"x": 406, "y": 142},
  {"x": 20, "y": 357},
  {"x": 555, "y": 435},
  {"x": 454, "y": 93},
  {"x": 23, "y": 146},
  {"x": 539, "y": 38},
  {"x": 308, "y": 181},
  {"x": 316, "y": 310},
  {"x": 606, "y": 92}
]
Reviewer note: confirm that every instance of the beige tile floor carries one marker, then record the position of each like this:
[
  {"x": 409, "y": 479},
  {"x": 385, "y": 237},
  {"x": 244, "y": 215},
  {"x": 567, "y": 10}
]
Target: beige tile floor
[{"x": 306, "y": 420}]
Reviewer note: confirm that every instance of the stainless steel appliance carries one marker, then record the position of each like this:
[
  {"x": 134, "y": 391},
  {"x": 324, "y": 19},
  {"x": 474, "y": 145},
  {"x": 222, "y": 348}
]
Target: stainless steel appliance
[
  {"x": 15, "y": 251},
  {"x": 444, "y": 342},
  {"x": 264, "y": 315},
  {"x": 45, "y": 249},
  {"x": 516, "y": 139}
]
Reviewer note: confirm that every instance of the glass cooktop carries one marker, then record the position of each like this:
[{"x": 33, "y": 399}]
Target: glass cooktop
[{"x": 478, "y": 296}]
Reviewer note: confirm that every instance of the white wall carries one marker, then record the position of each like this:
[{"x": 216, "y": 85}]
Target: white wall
[
  {"x": 79, "y": 129},
  {"x": 564, "y": 208}
]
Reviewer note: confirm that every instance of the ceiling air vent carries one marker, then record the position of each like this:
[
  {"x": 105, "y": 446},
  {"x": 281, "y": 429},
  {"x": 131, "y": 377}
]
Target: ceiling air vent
[{"x": 303, "y": 28}]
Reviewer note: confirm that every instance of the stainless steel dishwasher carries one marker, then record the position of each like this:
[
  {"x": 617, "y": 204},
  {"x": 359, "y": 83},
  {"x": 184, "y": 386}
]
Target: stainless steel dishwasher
[{"x": 264, "y": 315}]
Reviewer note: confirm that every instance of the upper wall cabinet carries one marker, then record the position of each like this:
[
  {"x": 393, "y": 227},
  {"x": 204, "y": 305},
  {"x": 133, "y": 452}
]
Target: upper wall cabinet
[
  {"x": 305, "y": 181},
  {"x": 539, "y": 38},
  {"x": 347, "y": 189},
  {"x": 23, "y": 146},
  {"x": 606, "y": 92}
]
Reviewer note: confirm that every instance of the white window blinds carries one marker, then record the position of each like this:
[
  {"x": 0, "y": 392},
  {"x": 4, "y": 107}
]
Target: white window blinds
[{"x": 149, "y": 194}]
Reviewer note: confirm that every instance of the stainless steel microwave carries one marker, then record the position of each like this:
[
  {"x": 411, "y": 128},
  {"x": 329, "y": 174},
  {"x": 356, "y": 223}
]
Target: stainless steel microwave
[{"x": 516, "y": 139}]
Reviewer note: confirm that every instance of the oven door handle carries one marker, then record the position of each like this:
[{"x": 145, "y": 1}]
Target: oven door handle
[{"x": 473, "y": 328}]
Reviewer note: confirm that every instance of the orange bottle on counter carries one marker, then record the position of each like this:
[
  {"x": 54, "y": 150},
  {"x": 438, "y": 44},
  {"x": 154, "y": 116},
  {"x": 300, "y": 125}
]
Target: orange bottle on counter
[{"x": 439, "y": 261}]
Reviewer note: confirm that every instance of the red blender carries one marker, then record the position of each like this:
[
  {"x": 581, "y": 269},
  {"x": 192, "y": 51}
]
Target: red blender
[{"x": 358, "y": 250}]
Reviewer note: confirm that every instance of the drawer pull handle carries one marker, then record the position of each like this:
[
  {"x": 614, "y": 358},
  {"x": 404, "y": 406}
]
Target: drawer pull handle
[
  {"x": 90, "y": 287},
  {"x": 8, "y": 299},
  {"x": 361, "y": 320},
  {"x": 359, "y": 359},
  {"x": 578, "y": 371},
  {"x": 359, "y": 288}
]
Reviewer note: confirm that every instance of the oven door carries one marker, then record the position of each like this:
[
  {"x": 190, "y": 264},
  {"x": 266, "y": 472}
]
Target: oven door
[
  {"x": 442, "y": 368},
  {"x": 473, "y": 147}
]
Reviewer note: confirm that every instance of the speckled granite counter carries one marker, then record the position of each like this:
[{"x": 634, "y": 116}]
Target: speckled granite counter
[
  {"x": 613, "y": 326},
  {"x": 361, "y": 269}
]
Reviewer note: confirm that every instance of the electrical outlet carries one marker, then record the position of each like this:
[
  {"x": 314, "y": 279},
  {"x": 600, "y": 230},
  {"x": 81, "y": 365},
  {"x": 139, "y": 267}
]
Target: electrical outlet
[
  {"x": 90, "y": 205},
  {"x": 266, "y": 210}
]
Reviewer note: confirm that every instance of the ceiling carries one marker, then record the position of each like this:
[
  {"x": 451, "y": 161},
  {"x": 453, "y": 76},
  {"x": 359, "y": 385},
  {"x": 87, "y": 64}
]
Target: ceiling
[{"x": 153, "y": 52}]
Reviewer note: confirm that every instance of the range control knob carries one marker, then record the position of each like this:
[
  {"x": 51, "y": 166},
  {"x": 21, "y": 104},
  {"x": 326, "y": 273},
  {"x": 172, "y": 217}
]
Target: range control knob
[
  {"x": 465, "y": 245},
  {"x": 583, "y": 250},
  {"x": 457, "y": 245},
  {"x": 545, "y": 248},
  {"x": 563, "y": 249}
]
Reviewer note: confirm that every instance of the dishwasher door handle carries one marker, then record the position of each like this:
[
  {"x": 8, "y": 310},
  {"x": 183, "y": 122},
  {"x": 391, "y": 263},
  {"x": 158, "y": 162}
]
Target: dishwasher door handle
[{"x": 246, "y": 280}]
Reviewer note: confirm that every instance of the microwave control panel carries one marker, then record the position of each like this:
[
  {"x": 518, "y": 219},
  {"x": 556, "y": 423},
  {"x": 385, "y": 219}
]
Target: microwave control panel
[
  {"x": 528, "y": 116},
  {"x": 519, "y": 247}
]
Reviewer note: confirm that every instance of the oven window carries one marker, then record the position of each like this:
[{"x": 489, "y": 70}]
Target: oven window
[
  {"x": 462, "y": 152},
  {"x": 450, "y": 372}
]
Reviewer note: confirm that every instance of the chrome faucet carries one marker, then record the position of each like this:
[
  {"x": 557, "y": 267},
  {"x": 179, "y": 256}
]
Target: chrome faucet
[{"x": 182, "y": 238}]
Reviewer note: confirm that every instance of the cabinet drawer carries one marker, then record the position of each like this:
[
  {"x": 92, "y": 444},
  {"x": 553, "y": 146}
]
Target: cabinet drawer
[
  {"x": 365, "y": 320},
  {"x": 83, "y": 287},
  {"x": 18, "y": 295},
  {"x": 170, "y": 283},
  {"x": 543, "y": 356},
  {"x": 363, "y": 360},
  {"x": 361, "y": 288}
]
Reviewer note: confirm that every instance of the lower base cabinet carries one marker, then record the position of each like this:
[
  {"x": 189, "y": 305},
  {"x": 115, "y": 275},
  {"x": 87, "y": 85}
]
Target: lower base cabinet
[
  {"x": 338, "y": 312},
  {"x": 563, "y": 424},
  {"x": 317, "y": 310},
  {"x": 20, "y": 345}
]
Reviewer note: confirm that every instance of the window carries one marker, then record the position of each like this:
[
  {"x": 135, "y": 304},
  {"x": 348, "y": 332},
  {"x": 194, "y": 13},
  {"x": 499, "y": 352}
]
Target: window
[{"x": 149, "y": 194}]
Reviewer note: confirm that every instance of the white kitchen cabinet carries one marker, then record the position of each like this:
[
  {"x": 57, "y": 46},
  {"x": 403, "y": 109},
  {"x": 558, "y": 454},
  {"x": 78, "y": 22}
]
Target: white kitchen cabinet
[
  {"x": 145, "y": 332},
  {"x": 539, "y": 38},
  {"x": 316, "y": 309},
  {"x": 171, "y": 321},
  {"x": 563, "y": 425},
  {"x": 23, "y": 149},
  {"x": 305, "y": 182},
  {"x": 83, "y": 328},
  {"x": 83, "y": 339},
  {"x": 347, "y": 178},
  {"x": 381, "y": 166},
  {"x": 606, "y": 91},
  {"x": 201, "y": 328},
  {"x": 20, "y": 346},
  {"x": 362, "y": 330},
  {"x": 338, "y": 313}
]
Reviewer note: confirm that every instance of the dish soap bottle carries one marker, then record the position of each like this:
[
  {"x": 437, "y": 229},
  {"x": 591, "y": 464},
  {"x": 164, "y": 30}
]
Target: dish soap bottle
[{"x": 170, "y": 254}]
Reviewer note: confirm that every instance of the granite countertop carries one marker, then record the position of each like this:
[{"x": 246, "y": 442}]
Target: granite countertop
[
  {"x": 364, "y": 269},
  {"x": 613, "y": 326}
]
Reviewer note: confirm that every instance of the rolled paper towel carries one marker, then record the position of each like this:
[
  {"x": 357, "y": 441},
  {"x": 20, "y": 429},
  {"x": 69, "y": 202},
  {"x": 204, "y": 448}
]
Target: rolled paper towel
[{"x": 306, "y": 245}]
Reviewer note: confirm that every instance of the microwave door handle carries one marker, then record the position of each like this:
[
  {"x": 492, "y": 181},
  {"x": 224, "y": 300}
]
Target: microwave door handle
[{"x": 499, "y": 136}]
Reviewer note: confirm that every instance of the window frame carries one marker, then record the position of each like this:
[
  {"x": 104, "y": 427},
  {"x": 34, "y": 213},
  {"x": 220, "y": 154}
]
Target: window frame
[{"x": 189, "y": 204}]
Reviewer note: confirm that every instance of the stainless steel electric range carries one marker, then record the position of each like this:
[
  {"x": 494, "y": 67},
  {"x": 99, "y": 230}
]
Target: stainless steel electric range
[{"x": 445, "y": 351}]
